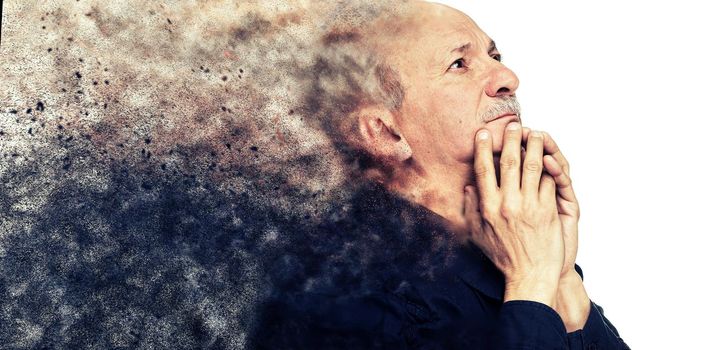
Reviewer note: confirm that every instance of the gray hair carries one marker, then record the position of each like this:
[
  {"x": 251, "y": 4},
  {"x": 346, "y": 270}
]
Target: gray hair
[{"x": 348, "y": 72}]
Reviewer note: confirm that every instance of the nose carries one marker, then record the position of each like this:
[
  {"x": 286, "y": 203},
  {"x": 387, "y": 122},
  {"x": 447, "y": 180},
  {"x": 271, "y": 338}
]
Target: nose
[{"x": 502, "y": 81}]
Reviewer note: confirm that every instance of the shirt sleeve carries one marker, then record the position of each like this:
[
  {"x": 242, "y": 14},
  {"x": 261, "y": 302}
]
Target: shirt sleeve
[
  {"x": 598, "y": 332},
  {"x": 526, "y": 324},
  {"x": 382, "y": 320}
]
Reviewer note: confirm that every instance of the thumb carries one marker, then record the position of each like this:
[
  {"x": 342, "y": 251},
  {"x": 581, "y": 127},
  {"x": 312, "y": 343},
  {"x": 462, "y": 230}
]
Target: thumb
[{"x": 472, "y": 210}]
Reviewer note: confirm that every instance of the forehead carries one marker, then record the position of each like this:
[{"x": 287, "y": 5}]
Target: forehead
[{"x": 433, "y": 32}]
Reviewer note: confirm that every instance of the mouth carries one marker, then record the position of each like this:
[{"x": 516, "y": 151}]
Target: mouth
[{"x": 506, "y": 117}]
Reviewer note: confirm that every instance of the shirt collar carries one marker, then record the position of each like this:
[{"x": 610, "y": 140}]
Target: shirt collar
[
  {"x": 469, "y": 262},
  {"x": 478, "y": 271}
]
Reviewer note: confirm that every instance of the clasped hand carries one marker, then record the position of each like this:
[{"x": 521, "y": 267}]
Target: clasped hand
[{"x": 527, "y": 223}]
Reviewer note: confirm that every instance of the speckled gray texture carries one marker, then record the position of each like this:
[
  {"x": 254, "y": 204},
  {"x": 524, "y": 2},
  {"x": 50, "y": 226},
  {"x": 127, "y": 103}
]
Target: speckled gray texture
[{"x": 157, "y": 159}]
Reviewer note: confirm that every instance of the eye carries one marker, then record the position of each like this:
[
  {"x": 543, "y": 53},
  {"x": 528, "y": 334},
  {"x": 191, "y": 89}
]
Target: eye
[
  {"x": 458, "y": 64},
  {"x": 496, "y": 56}
]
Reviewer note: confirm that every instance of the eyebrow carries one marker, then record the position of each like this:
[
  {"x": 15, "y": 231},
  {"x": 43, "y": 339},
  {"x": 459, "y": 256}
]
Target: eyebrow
[
  {"x": 465, "y": 47},
  {"x": 492, "y": 46},
  {"x": 462, "y": 48}
]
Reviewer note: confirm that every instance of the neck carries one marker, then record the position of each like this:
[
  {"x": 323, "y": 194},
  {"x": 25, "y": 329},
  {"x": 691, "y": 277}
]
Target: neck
[{"x": 439, "y": 190}]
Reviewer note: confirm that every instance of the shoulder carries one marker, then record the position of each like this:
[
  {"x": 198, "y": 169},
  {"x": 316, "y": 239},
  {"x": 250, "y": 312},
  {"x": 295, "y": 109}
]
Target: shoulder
[
  {"x": 331, "y": 320},
  {"x": 412, "y": 312}
]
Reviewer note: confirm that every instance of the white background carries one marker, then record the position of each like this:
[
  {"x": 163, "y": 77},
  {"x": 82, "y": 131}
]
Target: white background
[{"x": 630, "y": 92}]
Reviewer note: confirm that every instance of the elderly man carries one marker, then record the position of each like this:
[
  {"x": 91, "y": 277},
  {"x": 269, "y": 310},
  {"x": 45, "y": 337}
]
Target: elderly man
[{"x": 440, "y": 136}]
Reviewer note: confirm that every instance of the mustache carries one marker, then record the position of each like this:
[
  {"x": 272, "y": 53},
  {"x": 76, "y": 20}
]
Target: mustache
[{"x": 502, "y": 105}]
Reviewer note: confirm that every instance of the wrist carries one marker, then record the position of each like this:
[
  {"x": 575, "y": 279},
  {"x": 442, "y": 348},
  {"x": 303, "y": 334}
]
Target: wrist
[
  {"x": 572, "y": 302},
  {"x": 539, "y": 289},
  {"x": 570, "y": 278}
]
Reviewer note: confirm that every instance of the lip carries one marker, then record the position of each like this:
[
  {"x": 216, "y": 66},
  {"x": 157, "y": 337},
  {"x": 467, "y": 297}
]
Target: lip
[{"x": 509, "y": 116}]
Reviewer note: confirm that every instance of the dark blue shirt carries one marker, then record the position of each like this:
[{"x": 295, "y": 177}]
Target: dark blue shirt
[{"x": 456, "y": 302}]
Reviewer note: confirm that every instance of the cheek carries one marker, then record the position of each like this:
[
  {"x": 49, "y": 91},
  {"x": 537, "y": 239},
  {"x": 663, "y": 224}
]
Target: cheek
[
  {"x": 455, "y": 120},
  {"x": 461, "y": 140},
  {"x": 463, "y": 121}
]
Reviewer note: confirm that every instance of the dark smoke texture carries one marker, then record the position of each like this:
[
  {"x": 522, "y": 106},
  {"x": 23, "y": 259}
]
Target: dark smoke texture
[{"x": 163, "y": 174}]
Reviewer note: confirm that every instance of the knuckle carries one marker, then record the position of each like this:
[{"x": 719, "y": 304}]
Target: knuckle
[
  {"x": 535, "y": 208},
  {"x": 509, "y": 209},
  {"x": 482, "y": 170},
  {"x": 508, "y": 162},
  {"x": 532, "y": 165},
  {"x": 487, "y": 213},
  {"x": 562, "y": 182}
]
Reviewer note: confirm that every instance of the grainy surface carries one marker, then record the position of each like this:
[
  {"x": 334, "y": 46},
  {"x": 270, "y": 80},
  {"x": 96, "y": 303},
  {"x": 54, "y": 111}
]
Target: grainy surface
[{"x": 158, "y": 169}]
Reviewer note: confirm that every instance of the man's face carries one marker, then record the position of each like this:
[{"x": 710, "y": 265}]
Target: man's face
[{"x": 453, "y": 79}]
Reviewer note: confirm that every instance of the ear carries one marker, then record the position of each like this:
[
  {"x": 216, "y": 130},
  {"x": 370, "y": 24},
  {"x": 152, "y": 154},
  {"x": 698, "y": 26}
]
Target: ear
[{"x": 380, "y": 135}]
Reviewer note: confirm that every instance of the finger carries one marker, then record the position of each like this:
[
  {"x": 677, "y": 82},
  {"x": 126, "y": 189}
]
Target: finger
[
  {"x": 561, "y": 179},
  {"x": 547, "y": 189},
  {"x": 484, "y": 167},
  {"x": 525, "y": 131},
  {"x": 551, "y": 148},
  {"x": 472, "y": 210},
  {"x": 525, "y": 135},
  {"x": 552, "y": 166},
  {"x": 472, "y": 214},
  {"x": 532, "y": 166},
  {"x": 510, "y": 161}
]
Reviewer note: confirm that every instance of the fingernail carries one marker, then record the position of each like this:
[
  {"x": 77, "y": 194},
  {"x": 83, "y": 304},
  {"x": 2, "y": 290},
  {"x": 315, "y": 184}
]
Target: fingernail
[
  {"x": 513, "y": 126},
  {"x": 482, "y": 135},
  {"x": 536, "y": 134}
]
